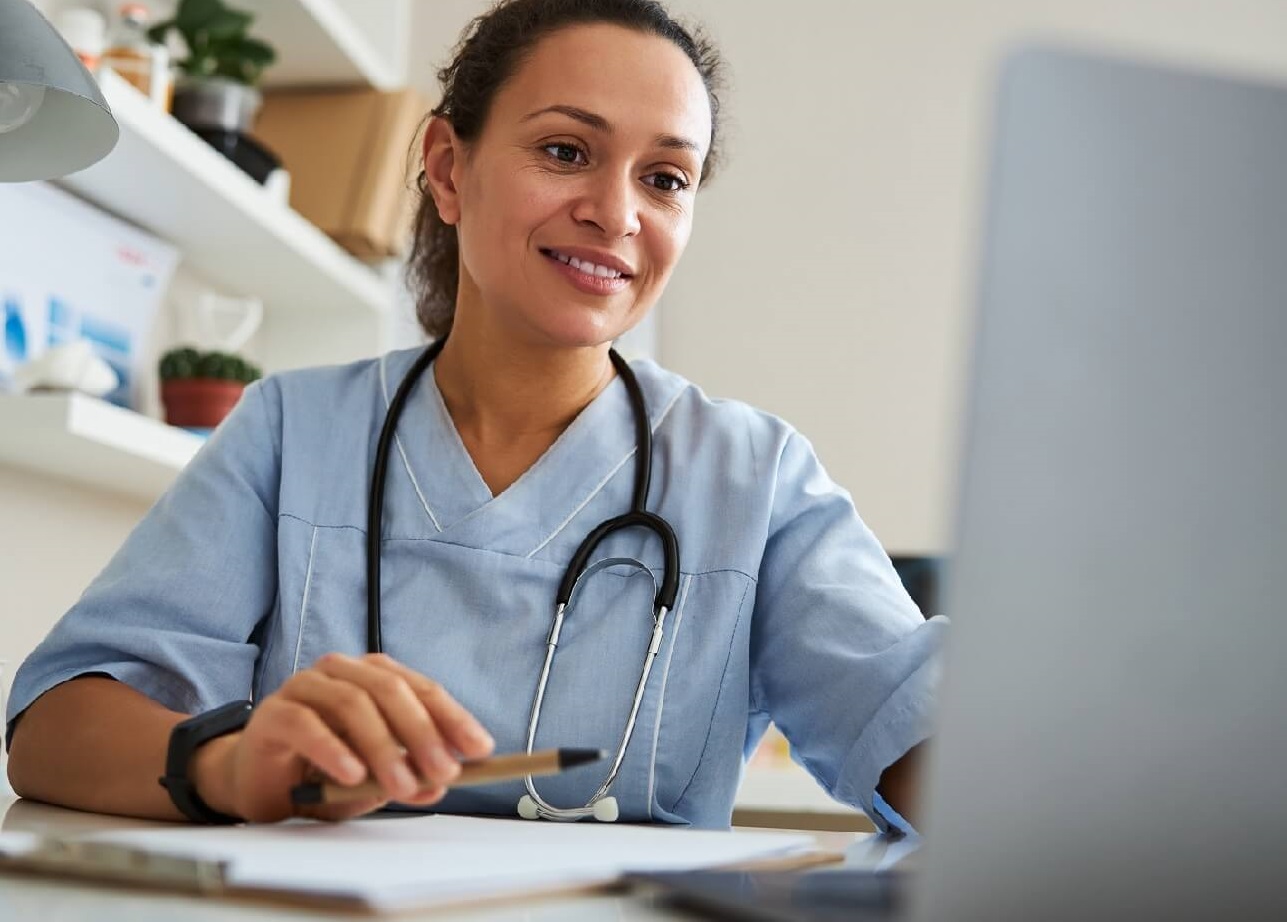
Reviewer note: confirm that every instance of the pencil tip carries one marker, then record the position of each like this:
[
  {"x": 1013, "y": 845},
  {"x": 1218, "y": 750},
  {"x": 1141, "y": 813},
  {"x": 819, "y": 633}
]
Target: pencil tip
[
  {"x": 570, "y": 758},
  {"x": 306, "y": 794}
]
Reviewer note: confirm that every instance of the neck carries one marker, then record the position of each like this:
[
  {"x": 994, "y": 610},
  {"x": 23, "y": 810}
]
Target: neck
[{"x": 501, "y": 392}]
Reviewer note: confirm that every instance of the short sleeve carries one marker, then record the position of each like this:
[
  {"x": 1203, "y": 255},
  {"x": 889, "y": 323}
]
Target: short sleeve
[
  {"x": 842, "y": 660},
  {"x": 173, "y": 613}
]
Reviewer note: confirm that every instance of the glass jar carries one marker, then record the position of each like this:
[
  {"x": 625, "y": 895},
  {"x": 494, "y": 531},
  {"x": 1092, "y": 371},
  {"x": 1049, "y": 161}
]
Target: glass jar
[{"x": 140, "y": 62}]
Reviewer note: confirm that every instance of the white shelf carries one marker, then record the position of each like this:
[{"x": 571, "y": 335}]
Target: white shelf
[
  {"x": 322, "y": 42},
  {"x": 92, "y": 442},
  {"x": 165, "y": 179},
  {"x": 334, "y": 42}
]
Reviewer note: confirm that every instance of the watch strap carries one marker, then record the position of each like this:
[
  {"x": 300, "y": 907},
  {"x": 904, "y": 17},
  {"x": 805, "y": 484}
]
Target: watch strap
[{"x": 186, "y": 737}]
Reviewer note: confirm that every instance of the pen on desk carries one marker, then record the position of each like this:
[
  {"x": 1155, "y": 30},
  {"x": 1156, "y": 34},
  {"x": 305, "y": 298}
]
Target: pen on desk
[{"x": 482, "y": 771}]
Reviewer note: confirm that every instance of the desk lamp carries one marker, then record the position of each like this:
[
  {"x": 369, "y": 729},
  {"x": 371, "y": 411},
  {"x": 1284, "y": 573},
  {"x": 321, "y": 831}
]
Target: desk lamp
[{"x": 53, "y": 118}]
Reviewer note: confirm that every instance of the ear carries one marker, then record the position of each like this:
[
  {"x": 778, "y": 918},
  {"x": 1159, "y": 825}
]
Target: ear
[{"x": 442, "y": 152}]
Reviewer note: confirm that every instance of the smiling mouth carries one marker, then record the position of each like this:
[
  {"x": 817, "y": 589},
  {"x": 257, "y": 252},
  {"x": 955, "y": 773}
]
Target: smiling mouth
[{"x": 586, "y": 267}]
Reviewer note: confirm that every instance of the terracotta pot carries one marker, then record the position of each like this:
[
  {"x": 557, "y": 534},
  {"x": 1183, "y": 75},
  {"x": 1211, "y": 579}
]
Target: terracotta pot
[{"x": 199, "y": 403}]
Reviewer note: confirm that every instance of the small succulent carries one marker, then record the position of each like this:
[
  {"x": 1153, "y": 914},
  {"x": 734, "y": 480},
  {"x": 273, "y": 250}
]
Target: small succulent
[{"x": 187, "y": 362}]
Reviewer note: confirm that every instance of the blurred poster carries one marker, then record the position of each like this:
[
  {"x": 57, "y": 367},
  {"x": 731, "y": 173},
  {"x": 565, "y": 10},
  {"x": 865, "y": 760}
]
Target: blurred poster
[{"x": 70, "y": 271}]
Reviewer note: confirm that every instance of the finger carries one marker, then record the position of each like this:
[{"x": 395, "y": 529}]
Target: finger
[
  {"x": 407, "y": 717},
  {"x": 459, "y": 727},
  {"x": 303, "y": 732},
  {"x": 349, "y": 710},
  {"x": 427, "y": 795}
]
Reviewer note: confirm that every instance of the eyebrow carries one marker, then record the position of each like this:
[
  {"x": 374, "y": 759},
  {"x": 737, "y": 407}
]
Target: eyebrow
[{"x": 601, "y": 124}]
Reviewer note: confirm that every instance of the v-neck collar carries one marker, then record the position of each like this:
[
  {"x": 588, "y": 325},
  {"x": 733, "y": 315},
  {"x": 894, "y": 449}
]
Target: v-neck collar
[{"x": 597, "y": 447}]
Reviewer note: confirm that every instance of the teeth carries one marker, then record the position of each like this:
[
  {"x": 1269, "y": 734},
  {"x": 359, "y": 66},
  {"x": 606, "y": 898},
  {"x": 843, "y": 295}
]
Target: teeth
[{"x": 584, "y": 265}]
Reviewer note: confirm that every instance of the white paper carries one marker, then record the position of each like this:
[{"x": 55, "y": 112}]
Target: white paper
[{"x": 422, "y": 861}]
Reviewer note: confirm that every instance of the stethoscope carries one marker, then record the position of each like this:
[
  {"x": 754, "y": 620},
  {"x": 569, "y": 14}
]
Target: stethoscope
[{"x": 531, "y": 806}]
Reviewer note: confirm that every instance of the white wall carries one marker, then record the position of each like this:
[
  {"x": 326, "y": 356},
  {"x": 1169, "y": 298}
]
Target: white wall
[
  {"x": 831, "y": 269},
  {"x": 56, "y": 538}
]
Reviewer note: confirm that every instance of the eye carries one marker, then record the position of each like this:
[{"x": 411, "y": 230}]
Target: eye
[
  {"x": 667, "y": 182},
  {"x": 565, "y": 153}
]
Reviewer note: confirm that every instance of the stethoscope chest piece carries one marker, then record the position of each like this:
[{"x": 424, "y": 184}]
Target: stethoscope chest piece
[
  {"x": 604, "y": 810},
  {"x": 601, "y": 806}
]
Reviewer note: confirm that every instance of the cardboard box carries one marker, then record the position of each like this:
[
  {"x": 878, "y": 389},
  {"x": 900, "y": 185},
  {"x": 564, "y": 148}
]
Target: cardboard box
[{"x": 347, "y": 155}]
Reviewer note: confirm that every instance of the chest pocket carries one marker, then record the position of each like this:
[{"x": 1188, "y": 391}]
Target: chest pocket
[{"x": 477, "y": 621}]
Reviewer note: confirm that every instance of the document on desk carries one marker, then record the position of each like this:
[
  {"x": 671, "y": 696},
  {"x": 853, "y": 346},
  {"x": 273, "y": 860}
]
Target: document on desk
[{"x": 392, "y": 864}]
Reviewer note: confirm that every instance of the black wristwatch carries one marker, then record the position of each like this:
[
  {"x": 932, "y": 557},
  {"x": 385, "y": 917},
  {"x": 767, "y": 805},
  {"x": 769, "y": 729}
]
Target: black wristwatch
[{"x": 184, "y": 740}]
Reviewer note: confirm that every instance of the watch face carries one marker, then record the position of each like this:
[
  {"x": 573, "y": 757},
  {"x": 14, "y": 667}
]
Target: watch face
[
  {"x": 191, "y": 733},
  {"x": 226, "y": 717}
]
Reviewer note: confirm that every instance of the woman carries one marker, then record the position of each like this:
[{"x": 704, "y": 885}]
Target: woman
[{"x": 559, "y": 175}]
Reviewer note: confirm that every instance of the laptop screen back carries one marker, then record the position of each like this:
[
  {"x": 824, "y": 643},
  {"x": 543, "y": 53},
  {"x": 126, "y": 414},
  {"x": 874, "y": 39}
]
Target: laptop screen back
[{"x": 1114, "y": 712}]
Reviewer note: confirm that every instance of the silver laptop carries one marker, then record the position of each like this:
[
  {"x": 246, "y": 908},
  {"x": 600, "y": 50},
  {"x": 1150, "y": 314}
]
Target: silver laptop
[
  {"x": 1113, "y": 739},
  {"x": 1114, "y": 714}
]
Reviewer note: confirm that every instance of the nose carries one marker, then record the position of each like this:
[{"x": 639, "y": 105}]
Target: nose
[{"x": 609, "y": 202}]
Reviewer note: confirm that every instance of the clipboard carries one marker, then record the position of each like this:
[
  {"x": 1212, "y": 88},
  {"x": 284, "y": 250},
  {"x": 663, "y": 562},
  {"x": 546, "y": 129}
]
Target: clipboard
[{"x": 528, "y": 860}]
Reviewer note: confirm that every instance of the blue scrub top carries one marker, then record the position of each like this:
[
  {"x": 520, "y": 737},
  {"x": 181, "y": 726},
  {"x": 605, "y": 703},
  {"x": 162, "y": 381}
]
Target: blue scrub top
[{"x": 253, "y": 565}]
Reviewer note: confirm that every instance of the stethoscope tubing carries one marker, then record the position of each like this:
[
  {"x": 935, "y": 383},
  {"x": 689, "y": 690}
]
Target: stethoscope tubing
[
  {"x": 637, "y": 517},
  {"x": 375, "y": 504}
]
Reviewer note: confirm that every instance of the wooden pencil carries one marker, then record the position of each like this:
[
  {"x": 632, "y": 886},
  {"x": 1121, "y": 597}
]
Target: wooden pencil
[{"x": 482, "y": 771}]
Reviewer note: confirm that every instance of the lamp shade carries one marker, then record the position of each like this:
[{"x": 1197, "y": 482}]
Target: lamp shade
[{"x": 53, "y": 118}]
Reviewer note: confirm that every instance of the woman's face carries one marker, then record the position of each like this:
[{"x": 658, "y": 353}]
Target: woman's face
[{"x": 576, "y": 201}]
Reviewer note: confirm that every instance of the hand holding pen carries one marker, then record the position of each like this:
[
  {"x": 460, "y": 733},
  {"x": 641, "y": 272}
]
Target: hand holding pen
[{"x": 355, "y": 720}]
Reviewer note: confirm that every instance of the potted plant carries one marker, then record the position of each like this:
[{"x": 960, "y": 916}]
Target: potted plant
[
  {"x": 199, "y": 389},
  {"x": 216, "y": 95}
]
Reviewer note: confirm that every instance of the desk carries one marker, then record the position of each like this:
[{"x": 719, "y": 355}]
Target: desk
[{"x": 35, "y": 898}]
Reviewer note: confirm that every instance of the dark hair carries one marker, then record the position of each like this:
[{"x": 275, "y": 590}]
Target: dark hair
[{"x": 489, "y": 53}]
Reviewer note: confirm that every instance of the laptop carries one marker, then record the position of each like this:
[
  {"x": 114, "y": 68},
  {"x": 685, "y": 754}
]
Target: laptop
[{"x": 1113, "y": 720}]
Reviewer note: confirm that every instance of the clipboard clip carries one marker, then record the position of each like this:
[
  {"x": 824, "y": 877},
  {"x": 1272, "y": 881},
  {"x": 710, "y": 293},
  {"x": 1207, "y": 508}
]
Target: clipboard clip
[{"x": 113, "y": 863}]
